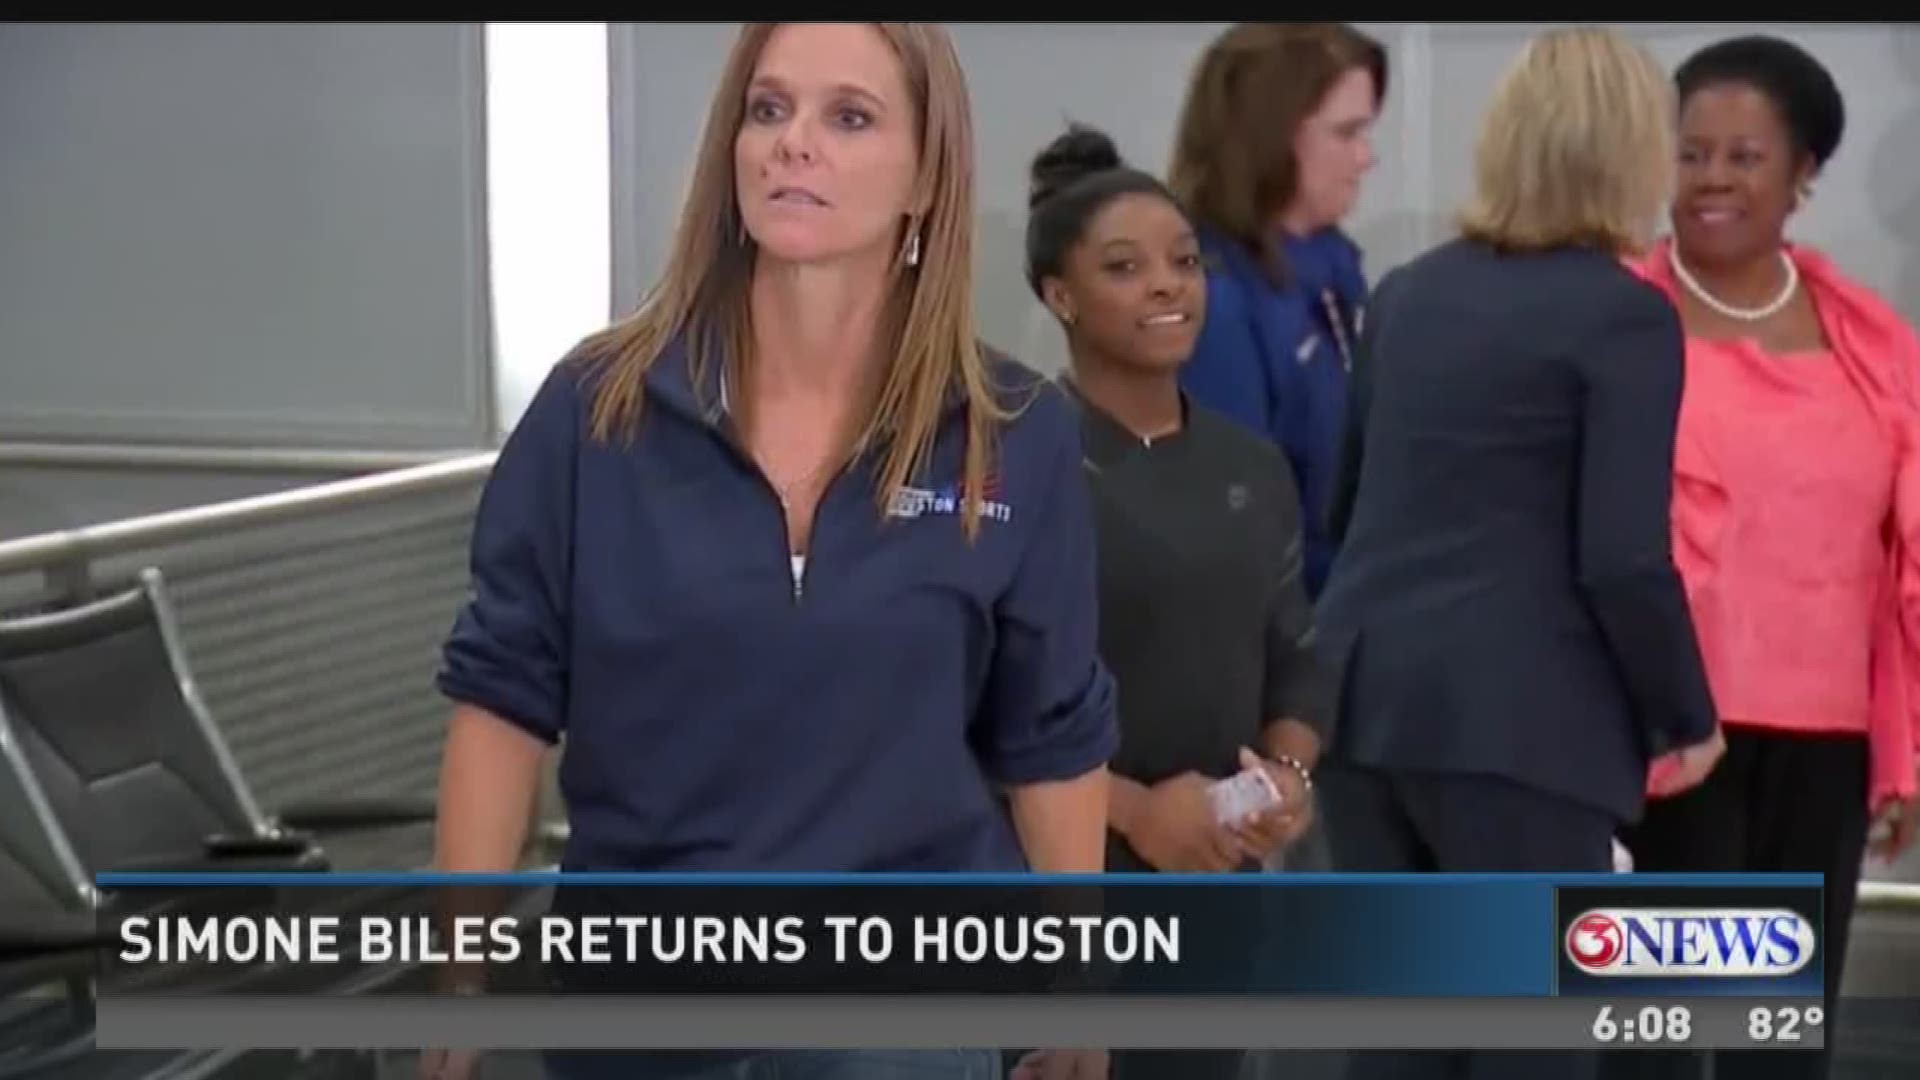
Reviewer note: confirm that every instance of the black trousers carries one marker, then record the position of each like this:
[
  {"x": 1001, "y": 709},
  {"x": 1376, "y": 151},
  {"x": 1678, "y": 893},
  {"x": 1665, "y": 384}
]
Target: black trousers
[
  {"x": 1777, "y": 803},
  {"x": 1398, "y": 822}
]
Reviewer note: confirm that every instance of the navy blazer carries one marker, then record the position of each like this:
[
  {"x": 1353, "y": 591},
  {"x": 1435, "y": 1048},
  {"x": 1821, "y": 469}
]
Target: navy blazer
[{"x": 1504, "y": 601}]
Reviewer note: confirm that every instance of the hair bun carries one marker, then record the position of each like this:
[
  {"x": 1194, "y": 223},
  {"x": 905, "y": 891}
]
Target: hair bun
[{"x": 1080, "y": 151}]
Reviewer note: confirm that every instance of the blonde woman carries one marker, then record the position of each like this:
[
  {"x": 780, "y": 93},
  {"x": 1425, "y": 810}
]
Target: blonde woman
[
  {"x": 799, "y": 577},
  {"x": 1513, "y": 635}
]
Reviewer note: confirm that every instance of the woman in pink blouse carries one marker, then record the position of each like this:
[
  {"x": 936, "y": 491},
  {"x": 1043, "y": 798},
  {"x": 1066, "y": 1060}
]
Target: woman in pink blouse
[{"x": 1796, "y": 513}]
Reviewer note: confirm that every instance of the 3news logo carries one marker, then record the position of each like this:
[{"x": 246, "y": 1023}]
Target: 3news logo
[
  {"x": 1716, "y": 940},
  {"x": 1682, "y": 942}
]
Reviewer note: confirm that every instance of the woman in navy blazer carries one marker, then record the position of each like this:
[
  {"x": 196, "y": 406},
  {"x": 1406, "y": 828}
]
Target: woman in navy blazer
[
  {"x": 1504, "y": 616},
  {"x": 1284, "y": 285}
]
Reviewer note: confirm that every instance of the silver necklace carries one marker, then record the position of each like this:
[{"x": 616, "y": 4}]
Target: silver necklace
[
  {"x": 1767, "y": 310},
  {"x": 805, "y": 481}
]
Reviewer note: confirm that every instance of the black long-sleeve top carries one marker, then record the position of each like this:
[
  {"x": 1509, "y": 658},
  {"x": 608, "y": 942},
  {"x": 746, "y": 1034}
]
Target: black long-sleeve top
[{"x": 1204, "y": 618}]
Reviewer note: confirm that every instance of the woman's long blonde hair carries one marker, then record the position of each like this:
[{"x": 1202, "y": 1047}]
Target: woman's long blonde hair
[{"x": 928, "y": 332}]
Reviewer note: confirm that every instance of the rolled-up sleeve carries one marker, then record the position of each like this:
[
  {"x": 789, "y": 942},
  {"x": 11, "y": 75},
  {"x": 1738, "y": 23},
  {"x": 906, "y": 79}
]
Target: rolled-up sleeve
[
  {"x": 1049, "y": 708},
  {"x": 507, "y": 652}
]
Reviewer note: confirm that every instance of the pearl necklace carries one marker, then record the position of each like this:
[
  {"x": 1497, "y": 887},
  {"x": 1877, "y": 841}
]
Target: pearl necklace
[{"x": 1765, "y": 311}]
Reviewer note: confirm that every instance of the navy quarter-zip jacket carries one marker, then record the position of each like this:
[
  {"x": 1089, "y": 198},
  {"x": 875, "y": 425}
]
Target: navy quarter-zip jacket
[{"x": 634, "y": 600}]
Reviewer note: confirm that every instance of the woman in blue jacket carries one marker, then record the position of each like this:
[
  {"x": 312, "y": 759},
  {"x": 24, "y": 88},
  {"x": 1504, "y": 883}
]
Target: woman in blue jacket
[
  {"x": 799, "y": 578},
  {"x": 1274, "y": 139}
]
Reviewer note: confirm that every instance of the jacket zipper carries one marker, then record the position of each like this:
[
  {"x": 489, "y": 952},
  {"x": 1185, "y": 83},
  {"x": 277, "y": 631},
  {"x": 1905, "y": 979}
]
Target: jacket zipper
[
  {"x": 747, "y": 461},
  {"x": 826, "y": 491},
  {"x": 786, "y": 534}
]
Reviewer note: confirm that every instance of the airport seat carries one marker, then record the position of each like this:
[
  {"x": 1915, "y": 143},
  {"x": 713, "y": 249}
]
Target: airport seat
[
  {"x": 99, "y": 707},
  {"x": 47, "y": 937},
  {"x": 111, "y": 761}
]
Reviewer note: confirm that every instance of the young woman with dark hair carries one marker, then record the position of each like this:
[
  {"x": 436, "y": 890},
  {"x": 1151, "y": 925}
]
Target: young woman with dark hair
[{"x": 1204, "y": 618}]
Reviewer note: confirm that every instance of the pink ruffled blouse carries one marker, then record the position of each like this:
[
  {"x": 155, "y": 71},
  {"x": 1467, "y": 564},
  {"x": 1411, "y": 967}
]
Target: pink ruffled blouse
[{"x": 1796, "y": 521}]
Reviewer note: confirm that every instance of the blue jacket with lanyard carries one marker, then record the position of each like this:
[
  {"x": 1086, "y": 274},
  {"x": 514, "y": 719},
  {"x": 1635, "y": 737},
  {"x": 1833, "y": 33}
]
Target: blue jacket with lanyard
[{"x": 1276, "y": 358}]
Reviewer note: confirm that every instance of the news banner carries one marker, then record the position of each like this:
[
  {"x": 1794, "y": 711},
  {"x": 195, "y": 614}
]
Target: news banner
[{"x": 1281, "y": 961}]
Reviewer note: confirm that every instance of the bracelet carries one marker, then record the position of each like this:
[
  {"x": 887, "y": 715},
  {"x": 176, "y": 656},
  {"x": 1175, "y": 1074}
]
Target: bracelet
[{"x": 1294, "y": 763}]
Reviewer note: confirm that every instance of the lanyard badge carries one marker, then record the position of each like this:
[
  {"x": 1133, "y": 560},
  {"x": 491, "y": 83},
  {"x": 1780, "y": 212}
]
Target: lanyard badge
[{"x": 1337, "y": 324}]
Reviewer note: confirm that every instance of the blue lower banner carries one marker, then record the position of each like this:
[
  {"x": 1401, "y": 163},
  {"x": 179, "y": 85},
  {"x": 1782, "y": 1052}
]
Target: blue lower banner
[{"x": 1616, "y": 937}]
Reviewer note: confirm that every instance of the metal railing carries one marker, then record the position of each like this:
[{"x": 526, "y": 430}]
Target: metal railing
[
  {"x": 1895, "y": 888},
  {"x": 124, "y": 456},
  {"x": 312, "y": 620},
  {"x": 1889, "y": 895},
  {"x": 69, "y": 555}
]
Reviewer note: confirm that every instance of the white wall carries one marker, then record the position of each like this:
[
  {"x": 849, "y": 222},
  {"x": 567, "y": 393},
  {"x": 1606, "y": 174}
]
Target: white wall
[
  {"x": 383, "y": 236},
  {"x": 1028, "y": 79},
  {"x": 1865, "y": 210},
  {"x": 548, "y": 175},
  {"x": 251, "y": 235}
]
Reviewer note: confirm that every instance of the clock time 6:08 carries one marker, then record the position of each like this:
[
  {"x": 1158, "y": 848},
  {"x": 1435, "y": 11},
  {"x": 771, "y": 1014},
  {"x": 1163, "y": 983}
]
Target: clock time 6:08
[{"x": 1651, "y": 1024}]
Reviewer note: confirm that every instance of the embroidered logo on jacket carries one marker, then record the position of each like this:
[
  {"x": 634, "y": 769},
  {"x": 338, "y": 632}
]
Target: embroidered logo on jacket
[{"x": 913, "y": 502}]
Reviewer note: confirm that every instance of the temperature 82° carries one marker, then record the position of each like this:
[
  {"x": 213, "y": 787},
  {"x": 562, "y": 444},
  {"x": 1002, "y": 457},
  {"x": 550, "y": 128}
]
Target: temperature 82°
[{"x": 1783, "y": 1023}]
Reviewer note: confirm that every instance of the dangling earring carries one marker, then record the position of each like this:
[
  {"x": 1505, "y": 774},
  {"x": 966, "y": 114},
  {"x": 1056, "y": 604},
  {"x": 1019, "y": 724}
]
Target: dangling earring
[{"x": 913, "y": 248}]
